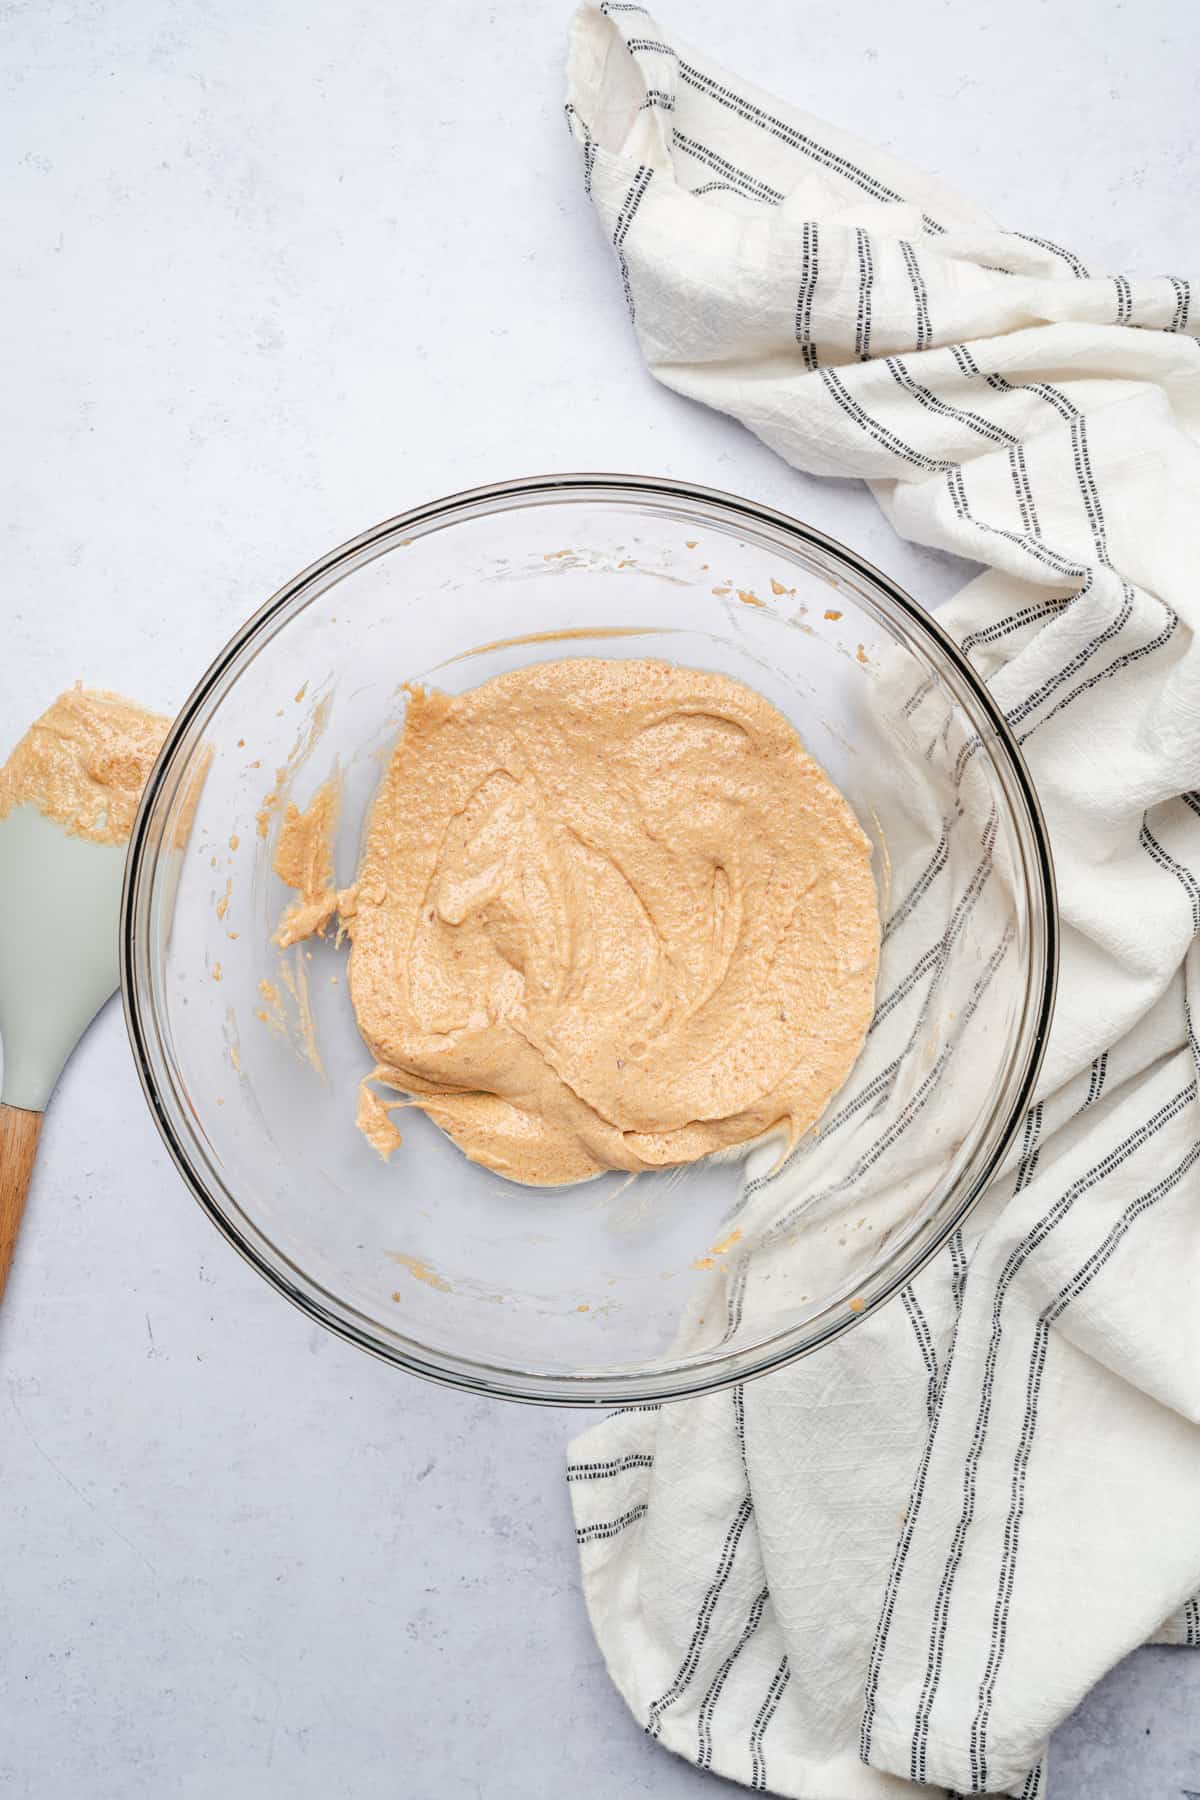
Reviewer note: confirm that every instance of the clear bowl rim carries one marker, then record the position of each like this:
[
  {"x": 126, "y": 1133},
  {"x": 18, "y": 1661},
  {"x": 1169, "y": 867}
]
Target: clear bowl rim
[{"x": 587, "y": 1388}]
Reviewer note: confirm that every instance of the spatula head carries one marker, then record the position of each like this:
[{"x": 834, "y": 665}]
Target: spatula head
[{"x": 60, "y": 900}]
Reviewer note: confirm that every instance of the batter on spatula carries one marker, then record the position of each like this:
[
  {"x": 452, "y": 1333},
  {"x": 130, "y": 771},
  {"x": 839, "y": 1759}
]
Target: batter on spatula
[
  {"x": 609, "y": 915},
  {"x": 84, "y": 764}
]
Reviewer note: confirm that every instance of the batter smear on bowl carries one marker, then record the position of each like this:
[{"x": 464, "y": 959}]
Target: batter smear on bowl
[{"x": 610, "y": 915}]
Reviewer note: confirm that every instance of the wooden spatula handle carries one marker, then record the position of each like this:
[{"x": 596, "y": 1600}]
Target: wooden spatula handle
[{"x": 19, "y": 1131}]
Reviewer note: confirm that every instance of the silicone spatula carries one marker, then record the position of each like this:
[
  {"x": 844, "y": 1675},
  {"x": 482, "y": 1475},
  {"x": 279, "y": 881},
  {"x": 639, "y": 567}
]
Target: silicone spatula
[
  {"x": 59, "y": 901},
  {"x": 60, "y": 897}
]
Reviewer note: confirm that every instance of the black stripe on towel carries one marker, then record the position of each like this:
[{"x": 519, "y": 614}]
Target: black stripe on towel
[
  {"x": 610, "y": 1528},
  {"x": 1087, "y": 486},
  {"x": 1183, "y": 303},
  {"x": 1023, "y": 489},
  {"x": 878, "y": 431},
  {"x": 1037, "y": 614},
  {"x": 745, "y": 184},
  {"x": 1082, "y": 1279},
  {"x": 866, "y": 281},
  {"x": 1114, "y": 668},
  {"x": 1031, "y": 1149},
  {"x": 1113, "y": 1159},
  {"x": 928, "y": 399},
  {"x": 912, "y": 1108},
  {"x": 793, "y": 138},
  {"x": 921, "y": 1332},
  {"x": 1073, "y": 263},
  {"x": 1180, "y": 871},
  {"x": 924, "y": 332},
  {"x": 763, "y": 1717},
  {"x": 1033, "y": 546},
  {"x": 616, "y": 1465},
  {"x": 708, "y": 1606},
  {"x": 709, "y": 1703},
  {"x": 633, "y": 199},
  {"x": 809, "y": 245}
]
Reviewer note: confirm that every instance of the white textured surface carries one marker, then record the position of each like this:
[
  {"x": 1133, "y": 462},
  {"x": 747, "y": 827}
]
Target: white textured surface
[{"x": 262, "y": 265}]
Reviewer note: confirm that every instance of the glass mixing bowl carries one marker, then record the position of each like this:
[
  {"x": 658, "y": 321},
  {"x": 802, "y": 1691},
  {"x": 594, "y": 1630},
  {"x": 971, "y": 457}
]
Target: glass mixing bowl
[{"x": 619, "y": 1289}]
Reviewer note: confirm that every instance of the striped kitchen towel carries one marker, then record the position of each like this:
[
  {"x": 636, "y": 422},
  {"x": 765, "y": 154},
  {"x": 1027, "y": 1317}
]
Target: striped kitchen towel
[{"x": 906, "y": 1559}]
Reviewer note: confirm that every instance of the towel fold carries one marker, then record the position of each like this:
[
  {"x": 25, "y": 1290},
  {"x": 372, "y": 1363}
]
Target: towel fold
[{"x": 906, "y": 1559}]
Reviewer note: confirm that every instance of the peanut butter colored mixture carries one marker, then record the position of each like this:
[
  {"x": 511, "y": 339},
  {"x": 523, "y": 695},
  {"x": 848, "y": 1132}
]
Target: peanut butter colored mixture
[
  {"x": 304, "y": 861},
  {"x": 375, "y": 1123},
  {"x": 609, "y": 915},
  {"x": 84, "y": 764}
]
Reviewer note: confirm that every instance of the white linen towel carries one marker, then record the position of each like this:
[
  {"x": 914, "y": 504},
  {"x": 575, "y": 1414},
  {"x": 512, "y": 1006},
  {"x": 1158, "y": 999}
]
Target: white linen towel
[{"x": 907, "y": 1558}]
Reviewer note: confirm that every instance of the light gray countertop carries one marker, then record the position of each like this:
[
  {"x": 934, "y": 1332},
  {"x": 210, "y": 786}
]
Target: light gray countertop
[{"x": 271, "y": 273}]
